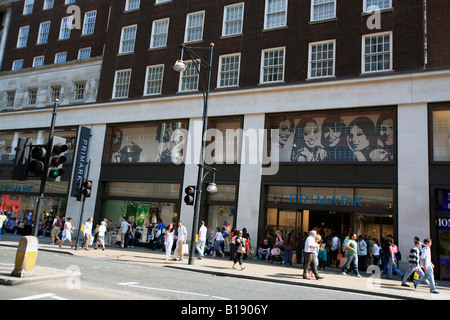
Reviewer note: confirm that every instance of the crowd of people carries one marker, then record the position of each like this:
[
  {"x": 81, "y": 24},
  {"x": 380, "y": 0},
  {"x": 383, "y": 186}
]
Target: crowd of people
[{"x": 349, "y": 253}]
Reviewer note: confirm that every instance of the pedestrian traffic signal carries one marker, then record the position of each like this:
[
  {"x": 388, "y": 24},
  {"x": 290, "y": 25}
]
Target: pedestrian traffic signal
[
  {"x": 57, "y": 158},
  {"x": 37, "y": 161},
  {"x": 86, "y": 188},
  {"x": 20, "y": 171},
  {"x": 189, "y": 197}
]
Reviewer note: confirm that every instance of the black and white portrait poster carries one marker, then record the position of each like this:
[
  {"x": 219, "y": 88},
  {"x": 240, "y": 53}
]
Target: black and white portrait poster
[{"x": 355, "y": 136}]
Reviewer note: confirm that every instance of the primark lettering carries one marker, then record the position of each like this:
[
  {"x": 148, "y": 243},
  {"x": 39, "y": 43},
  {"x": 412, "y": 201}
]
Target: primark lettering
[
  {"x": 323, "y": 201},
  {"x": 15, "y": 188}
]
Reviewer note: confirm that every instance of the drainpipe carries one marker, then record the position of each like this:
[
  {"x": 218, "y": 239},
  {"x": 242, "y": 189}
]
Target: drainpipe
[{"x": 5, "y": 31}]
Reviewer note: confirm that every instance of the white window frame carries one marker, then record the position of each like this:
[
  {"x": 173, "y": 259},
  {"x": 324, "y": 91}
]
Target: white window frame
[
  {"x": 310, "y": 61},
  {"x": 75, "y": 90},
  {"x": 225, "y": 21},
  {"x": 36, "y": 59},
  {"x": 80, "y": 52},
  {"x": 48, "y": 4},
  {"x": 267, "y": 13},
  {"x": 183, "y": 76},
  {"x": 66, "y": 28},
  {"x": 222, "y": 72},
  {"x": 55, "y": 92},
  {"x": 162, "y": 1},
  {"x": 17, "y": 65},
  {"x": 29, "y": 102},
  {"x": 60, "y": 54},
  {"x": 157, "y": 28},
  {"x": 42, "y": 33},
  {"x": 148, "y": 81},
  {"x": 370, "y": 9},
  {"x": 363, "y": 52},
  {"x": 28, "y": 7},
  {"x": 114, "y": 94},
  {"x": 189, "y": 28},
  {"x": 122, "y": 40},
  {"x": 263, "y": 67},
  {"x": 314, "y": 6},
  {"x": 128, "y": 4},
  {"x": 89, "y": 22},
  {"x": 10, "y": 97},
  {"x": 22, "y": 38}
]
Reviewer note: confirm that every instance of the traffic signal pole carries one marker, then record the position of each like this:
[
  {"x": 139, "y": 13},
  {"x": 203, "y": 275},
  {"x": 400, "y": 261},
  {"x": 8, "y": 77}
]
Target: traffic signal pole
[
  {"x": 40, "y": 199},
  {"x": 83, "y": 200}
]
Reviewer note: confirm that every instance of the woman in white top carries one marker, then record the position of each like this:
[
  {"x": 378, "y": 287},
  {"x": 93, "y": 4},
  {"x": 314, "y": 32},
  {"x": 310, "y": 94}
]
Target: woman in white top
[
  {"x": 168, "y": 240},
  {"x": 218, "y": 239},
  {"x": 375, "y": 254},
  {"x": 101, "y": 235},
  {"x": 67, "y": 233}
]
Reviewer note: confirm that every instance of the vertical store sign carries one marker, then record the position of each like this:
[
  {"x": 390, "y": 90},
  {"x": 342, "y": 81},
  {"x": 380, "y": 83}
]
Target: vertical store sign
[{"x": 81, "y": 159}]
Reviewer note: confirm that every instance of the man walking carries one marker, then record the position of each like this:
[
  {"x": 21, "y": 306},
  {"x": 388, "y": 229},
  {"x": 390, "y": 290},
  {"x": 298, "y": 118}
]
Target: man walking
[
  {"x": 362, "y": 254},
  {"x": 414, "y": 263},
  {"x": 87, "y": 234},
  {"x": 201, "y": 240},
  {"x": 310, "y": 256},
  {"x": 352, "y": 256},
  {"x": 123, "y": 231},
  {"x": 56, "y": 228},
  {"x": 3, "y": 218},
  {"x": 428, "y": 267}
]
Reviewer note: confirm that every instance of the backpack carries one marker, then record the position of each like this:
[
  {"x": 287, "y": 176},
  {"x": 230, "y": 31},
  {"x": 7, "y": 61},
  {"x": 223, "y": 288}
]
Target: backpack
[{"x": 58, "y": 223}]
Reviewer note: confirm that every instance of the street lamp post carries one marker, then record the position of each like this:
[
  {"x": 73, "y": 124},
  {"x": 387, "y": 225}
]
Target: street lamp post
[{"x": 180, "y": 66}]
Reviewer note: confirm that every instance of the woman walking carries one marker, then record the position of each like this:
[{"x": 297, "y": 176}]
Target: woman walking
[
  {"x": 168, "y": 240},
  {"x": 240, "y": 250}
]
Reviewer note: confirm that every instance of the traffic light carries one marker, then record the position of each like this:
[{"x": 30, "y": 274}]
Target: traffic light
[
  {"x": 86, "y": 188},
  {"x": 189, "y": 197},
  {"x": 20, "y": 171},
  {"x": 55, "y": 170},
  {"x": 37, "y": 161}
]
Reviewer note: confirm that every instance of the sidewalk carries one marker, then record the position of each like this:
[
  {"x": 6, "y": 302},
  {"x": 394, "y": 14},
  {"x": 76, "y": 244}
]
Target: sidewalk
[{"x": 255, "y": 269}]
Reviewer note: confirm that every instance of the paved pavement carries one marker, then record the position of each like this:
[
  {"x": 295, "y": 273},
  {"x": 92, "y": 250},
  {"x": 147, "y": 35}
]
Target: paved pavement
[{"x": 254, "y": 269}]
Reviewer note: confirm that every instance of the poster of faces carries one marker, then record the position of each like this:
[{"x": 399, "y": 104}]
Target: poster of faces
[
  {"x": 144, "y": 143},
  {"x": 355, "y": 136}
]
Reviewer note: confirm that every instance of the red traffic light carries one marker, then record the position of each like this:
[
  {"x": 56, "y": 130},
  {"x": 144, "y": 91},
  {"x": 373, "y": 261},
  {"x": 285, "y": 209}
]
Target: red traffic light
[{"x": 189, "y": 198}]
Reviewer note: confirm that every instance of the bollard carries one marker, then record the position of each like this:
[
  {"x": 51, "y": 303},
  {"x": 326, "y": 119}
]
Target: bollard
[{"x": 26, "y": 257}]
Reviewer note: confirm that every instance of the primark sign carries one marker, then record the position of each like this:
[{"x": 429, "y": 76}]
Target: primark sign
[{"x": 342, "y": 201}]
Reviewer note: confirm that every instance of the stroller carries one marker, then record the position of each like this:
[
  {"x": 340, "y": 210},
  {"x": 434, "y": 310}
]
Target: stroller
[{"x": 275, "y": 255}]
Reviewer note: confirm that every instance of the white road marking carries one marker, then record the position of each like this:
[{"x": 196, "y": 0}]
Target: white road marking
[
  {"x": 41, "y": 296},
  {"x": 135, "y": 285}
]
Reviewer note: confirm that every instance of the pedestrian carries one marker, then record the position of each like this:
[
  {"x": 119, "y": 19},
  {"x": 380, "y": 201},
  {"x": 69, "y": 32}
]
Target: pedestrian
[
  {"x": 289, "y": 245},
  {"x": 310, "y": 256},
  {"x": 168, "y": 240},
  {"x": 218, "y": 239},
  {"x": 428, "y": 267},
  {"x": 322, "y": 255},
  {"x": 375, "y": 254},
  {"x": 335, "y": 249},
  {"x": 351, "y": 248},
  {"x": 362, "y": 254},
  {"x": 240, "y": 250},
  {"x": 392, "y": 262},
  {"x": 201, "y": 240},
  {"x": 181, "y": 239},
  {"x": 414, "y": 263},
  {"x": 56, "y": 228},
  {"x": 101, "y": 236},
  {"x": 67, "y": 233},
  {"x": 3, "y": 219},
  {"x": 123, "y": 231},
  {"x": 233, "y": 236},
  {"x": 87, "y": 234}
]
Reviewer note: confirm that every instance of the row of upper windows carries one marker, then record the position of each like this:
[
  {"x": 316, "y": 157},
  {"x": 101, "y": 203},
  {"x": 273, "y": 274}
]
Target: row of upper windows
[
  {"x": 28, "y": 5},
  {"x": 64, "y": 30},
  {"x": 60, "y": 57},
  {"x": 233, "y": 17},
  {"x": 376, "y": 57},
  {"x": 77, "y": 92}
]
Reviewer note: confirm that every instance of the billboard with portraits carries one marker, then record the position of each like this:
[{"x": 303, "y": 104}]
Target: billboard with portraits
[{"x": 363, "y": 135}]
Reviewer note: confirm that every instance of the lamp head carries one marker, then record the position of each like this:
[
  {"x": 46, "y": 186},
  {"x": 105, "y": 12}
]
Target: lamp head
[
  {"x": 212, "y": 188},
  {"x": 179, "y": 66}
]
